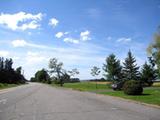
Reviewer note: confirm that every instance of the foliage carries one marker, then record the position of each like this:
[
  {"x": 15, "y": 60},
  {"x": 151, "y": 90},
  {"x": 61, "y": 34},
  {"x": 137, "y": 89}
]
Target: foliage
[
  {"x": 41, "y": 76},
  {"x": 8, "y": 74},
  {"x": 56, "y": 68},
  {"x": 113, "y": 69},
  {"x": 65, "y": 77},
  {"x": 130, "y": 69},
  {"x": 132, "y": 87},
  {"x": 95, "y": 71},
  {"x": 154, "y": 50},
  {"x": 148, "y": 74},
  {"x": 73, "y": 72}
]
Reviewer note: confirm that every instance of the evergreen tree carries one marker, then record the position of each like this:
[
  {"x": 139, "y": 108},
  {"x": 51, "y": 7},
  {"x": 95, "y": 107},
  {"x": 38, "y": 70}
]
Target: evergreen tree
[
  {"x": 8, "y": 74},
  {"x": 148, "y": 74},
  {"x": 112, "y": 68},
  {"x": 130, "y": 68}
]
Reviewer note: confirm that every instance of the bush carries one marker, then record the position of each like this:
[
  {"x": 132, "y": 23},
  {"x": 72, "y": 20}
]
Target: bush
[
  {"x": 1, "y": 85},
  {"x": 132, "y": 87}
]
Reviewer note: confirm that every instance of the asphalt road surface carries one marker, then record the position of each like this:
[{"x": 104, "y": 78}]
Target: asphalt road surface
[{"x": 41, "y": 102}]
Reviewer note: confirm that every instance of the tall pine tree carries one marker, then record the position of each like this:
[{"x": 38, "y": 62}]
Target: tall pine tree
[
  {"x": 130, "y": 69},
  {"x": 112, "y": 68},
  {"x": 148, "y": 74}
]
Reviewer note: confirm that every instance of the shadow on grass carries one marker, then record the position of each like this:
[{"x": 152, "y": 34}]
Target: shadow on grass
[{"x": 143, "y": 94}]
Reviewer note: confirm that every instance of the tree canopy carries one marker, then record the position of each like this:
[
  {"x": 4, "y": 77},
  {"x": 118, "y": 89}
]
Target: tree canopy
[{"x": 8, "y": 74}]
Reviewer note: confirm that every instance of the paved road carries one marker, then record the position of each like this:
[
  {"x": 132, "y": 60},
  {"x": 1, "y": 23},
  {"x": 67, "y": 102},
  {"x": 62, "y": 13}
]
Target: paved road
[{"x": 41, "y": 102}]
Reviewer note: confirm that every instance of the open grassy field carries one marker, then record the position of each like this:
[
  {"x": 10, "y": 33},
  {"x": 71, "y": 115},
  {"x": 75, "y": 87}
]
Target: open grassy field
[
  {"x": 4, "y": 86},
  {"x": 150, "y": 95}
]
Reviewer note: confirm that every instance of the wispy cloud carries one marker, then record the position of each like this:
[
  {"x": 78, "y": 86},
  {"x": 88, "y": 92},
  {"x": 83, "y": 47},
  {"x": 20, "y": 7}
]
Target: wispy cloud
[
  {"x": 27, "y": 20},
  {"x": 124, "y": 40},
  {"x": 24, "y": 43}
]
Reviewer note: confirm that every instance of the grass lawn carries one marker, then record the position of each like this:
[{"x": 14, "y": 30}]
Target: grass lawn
[
  {"x": 150, "y": 95},
  {"x": 4, "y": 86},
  {"x": 86, "y": 86}
]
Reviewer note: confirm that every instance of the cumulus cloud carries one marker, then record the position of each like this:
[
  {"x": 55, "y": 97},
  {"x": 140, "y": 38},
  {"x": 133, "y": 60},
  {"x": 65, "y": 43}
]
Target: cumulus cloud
[
  {"x": 124, "y": 40},
  {"x": 4, "y": 53},
  {"x": 21, "y": 20},
  {"x": 53, "y": 22},
  {"x": 59, "y": 34},
  {"x": 84, "y": 36},
  {"x": 71, "y": 40}
]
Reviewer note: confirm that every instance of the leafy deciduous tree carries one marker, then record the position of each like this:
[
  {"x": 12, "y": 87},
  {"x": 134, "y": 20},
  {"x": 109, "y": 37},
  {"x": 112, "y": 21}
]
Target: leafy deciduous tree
[
  {"x": 154, "y": 50},
  {"x": 56, "y": 67},
  {"x": 95, "y": 71}
]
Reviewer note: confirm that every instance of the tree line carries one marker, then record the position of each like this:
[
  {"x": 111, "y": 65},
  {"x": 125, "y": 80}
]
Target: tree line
[
  {"x": 8, "y": 74},
  {"x": 116, "y": 72}
]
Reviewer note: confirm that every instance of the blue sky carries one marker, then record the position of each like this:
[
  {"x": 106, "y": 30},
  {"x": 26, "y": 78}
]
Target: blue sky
[{"x": 80, "y": 33}]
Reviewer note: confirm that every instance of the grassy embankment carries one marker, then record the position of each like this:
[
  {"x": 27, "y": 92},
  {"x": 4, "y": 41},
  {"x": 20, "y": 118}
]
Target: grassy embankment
[
  {"x": 151, "y": 95},
  {"x": 4, "y": 86}
]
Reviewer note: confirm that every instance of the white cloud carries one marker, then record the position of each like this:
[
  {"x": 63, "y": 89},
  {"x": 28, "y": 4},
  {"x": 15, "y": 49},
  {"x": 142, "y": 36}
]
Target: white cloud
[
  {"x": 21, "y": 20},
  {"x": 34, "y": 57},
  {"x": 19, "y": 43},
  {"x": 84, "y": 36},
  {"x": 24, "y": 43},
  {"x": 59, "y": 34},
  {"x": 53, "y": 22},
  {"x": 4, "y": 53},
  {"x": 71, "y": 40},
  {"x": 124, "y": 40}
]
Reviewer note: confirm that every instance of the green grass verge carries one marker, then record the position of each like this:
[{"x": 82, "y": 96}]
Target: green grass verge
[
  {"x": 150, "y": 95},
  {"x": 4, "y": 86},
  {"x": 86, "y": 86}
]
